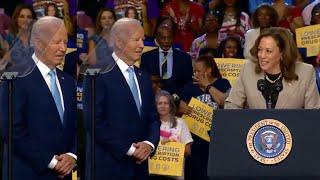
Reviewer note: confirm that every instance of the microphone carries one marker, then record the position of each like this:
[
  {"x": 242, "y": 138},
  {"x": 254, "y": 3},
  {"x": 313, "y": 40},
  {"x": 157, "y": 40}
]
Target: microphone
[
  {"x": 278, "y": 86},
  {"x": 261, "y": 85}
]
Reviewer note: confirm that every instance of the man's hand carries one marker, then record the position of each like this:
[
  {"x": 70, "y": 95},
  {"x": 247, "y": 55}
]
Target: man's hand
[
  {"x": 65, "y": 164},
  {"x": 142, "y": 152}
]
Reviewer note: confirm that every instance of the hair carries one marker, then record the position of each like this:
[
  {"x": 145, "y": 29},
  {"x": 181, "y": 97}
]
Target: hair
[
  {"x": 172, "y": 106},
  {"x": 42, "y": 27},
  {"x": 288, "y": 48},
  {"x": 314, "y": 9},
  {"x": 120, "y": 29},
  {"x": 271, "y": 12},
  {"x": 14, "y": 28},
  {"x": 162, "y": 22},
  {"x": 207, "y": 51},
  {"x": 55, "y": 8},
  {"x": 236, "y": 39},
  {"x": 126, "y": 13},
  {"x": 209, "y": 62},
  {"x": 222, "y": 7},
  {"x": 98, "y": 25},
  {"x": 217, "y": 14}
]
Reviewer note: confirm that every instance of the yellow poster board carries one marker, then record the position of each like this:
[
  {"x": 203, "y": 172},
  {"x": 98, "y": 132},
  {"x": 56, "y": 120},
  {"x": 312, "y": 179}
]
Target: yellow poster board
[
  {"x": 309, "y": 37},
  {"x": 199, "y": 122},
  {"x": 168, "y": 159},
  {"x": 230, "y": 68}
]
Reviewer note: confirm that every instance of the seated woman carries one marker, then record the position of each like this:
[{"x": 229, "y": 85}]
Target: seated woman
[
  {"x": 172, "y": 129},
  {"x": 263, "y": 17},
  {"x": 231, "y": 48},
  {"x": 276, "y": 66}
]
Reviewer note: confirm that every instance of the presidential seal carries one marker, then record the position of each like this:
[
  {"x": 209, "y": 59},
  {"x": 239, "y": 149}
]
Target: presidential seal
[{"x": 269, "y": 141}]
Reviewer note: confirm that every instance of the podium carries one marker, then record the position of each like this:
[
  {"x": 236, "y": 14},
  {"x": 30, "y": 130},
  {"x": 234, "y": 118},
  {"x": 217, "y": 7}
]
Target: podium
[{"x": 229, "y": 157}]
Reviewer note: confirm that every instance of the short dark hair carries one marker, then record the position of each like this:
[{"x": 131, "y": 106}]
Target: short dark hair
[{"x": 209, "y": 62}]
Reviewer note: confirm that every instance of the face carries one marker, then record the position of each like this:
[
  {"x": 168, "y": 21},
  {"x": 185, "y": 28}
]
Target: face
[
  {"x": 131, "y": 13},
  {"x": 51, "y": 11},
  {"x": 269, "y": 55},
  {"x": 263, "y": 18},
  {"x": 230, "y": 49},
  {"x": 211, "y": 23},
  {"x": 106, "y": 20},
  {"x": 131, "y": 46},
  {"x": 315, "y": 18},
  {"x": 55, "y": 48},
  {"x": 165, "y": 39},
  {"x": 24, "y": 19},
  {"x": 199, "y": 69},
  {"x": 163, "y": 106}
]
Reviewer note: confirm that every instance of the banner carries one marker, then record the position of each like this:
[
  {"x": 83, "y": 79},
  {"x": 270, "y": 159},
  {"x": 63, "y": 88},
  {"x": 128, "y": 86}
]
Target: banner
[
  {"x": 168, "y": 159},
  {"x": 199, "y": 122},
  {"x": 230, "y": 68},
  {"x": 309, "y": 37}
]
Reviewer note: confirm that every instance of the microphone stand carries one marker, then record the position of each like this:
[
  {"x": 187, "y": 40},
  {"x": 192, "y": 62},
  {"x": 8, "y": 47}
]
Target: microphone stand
[
  {"x": 92, "y": 73},
  {"x": 10, "y": 77},
  {"x": 269, "y": 103}
]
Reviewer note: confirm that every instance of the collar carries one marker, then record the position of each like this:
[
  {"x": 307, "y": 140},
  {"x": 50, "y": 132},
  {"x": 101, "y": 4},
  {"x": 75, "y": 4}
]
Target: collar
[
  {"x": 169, "y": 51},
  {"x": 44, "y": 69},
  {"x": 122, "y": 65}
]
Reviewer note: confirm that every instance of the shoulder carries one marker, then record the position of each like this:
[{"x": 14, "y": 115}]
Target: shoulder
[
  {"x": 252, "y": 32},
  {"x": 304, "y": 69},
  {"x": 180, "y": 53}
]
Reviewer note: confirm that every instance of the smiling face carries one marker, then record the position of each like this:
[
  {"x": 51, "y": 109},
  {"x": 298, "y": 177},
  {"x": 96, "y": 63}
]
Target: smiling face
[
  {"x": 106, "y": 20},
  {"x": 230, "y": 50},
  {"x": 269, "y": 55},
  {"x": 24, "y": 19},
  {"x": 163, "y": 106}
]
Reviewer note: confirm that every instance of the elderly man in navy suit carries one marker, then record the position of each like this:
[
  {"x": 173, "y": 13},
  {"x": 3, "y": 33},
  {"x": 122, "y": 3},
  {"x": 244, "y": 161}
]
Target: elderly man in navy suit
[
  {"x": 44, "y": 105},
  {"x": 172, "y": 65},
  {"x": 127, "y": 124}
]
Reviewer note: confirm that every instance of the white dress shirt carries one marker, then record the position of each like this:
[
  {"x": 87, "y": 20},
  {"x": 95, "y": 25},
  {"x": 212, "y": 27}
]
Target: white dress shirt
[
  {"x": 123, "y": 68},
  {"x": 44, "y": 70}
]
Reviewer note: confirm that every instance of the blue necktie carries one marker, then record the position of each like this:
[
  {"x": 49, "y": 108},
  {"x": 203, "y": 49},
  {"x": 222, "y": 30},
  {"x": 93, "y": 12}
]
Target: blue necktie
[
  {"x": 133, "y": 87},
  {"x": 55, "y": 93}
]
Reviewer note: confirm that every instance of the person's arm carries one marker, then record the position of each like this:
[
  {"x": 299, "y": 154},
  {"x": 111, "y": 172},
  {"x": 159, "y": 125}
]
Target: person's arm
[
  {"x": 218, "y": 96},
  {"x": 92, "y": 57},
  {"x": 25, "y": 146},
  {"x": 312, "y": 98}
]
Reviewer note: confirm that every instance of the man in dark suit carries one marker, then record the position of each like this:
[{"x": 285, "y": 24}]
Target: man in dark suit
[
  {"x": 172, "y": 65},
  {"x": 44, "y": 105},
  {"x": 127, "y": 124}
]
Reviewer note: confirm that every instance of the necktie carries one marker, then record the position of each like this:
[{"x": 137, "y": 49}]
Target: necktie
[
  {"x": 164, "y": 69},
  {"x": 133, "y": 87},
  {"x": 55, "y": 93}
]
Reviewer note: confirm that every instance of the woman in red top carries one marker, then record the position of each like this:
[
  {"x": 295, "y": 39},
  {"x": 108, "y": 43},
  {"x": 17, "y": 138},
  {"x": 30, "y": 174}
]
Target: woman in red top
[
  {"x": 187, "y": 17},
  {"x": 290, "y": 17}
]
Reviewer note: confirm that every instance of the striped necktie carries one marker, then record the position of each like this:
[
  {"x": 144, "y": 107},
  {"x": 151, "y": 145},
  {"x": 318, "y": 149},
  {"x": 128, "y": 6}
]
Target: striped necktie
[{"x": 164, "y": 66}]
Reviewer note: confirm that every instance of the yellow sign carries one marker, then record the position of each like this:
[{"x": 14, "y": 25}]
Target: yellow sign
[
  {"x": 309, "y": 37},
  {"x": 168, "y": 159},
  {"x": 230, "y": 68},
  {"x": 199, "y": 122},
  {"x": 74, "y": 175}
]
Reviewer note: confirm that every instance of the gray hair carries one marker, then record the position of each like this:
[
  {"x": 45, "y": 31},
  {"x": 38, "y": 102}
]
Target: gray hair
[
  {"x": 44, "y": 26},
  {"x": 121, "y": 29},
  {"x": 172, "y": 106}
]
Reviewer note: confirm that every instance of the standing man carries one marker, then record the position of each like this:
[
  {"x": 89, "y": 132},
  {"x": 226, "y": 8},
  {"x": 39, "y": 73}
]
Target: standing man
[
  {"x": 172, "y": 65},
  {"x": 127, "y": 124},
  {"x": 44, "y": 105}
]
